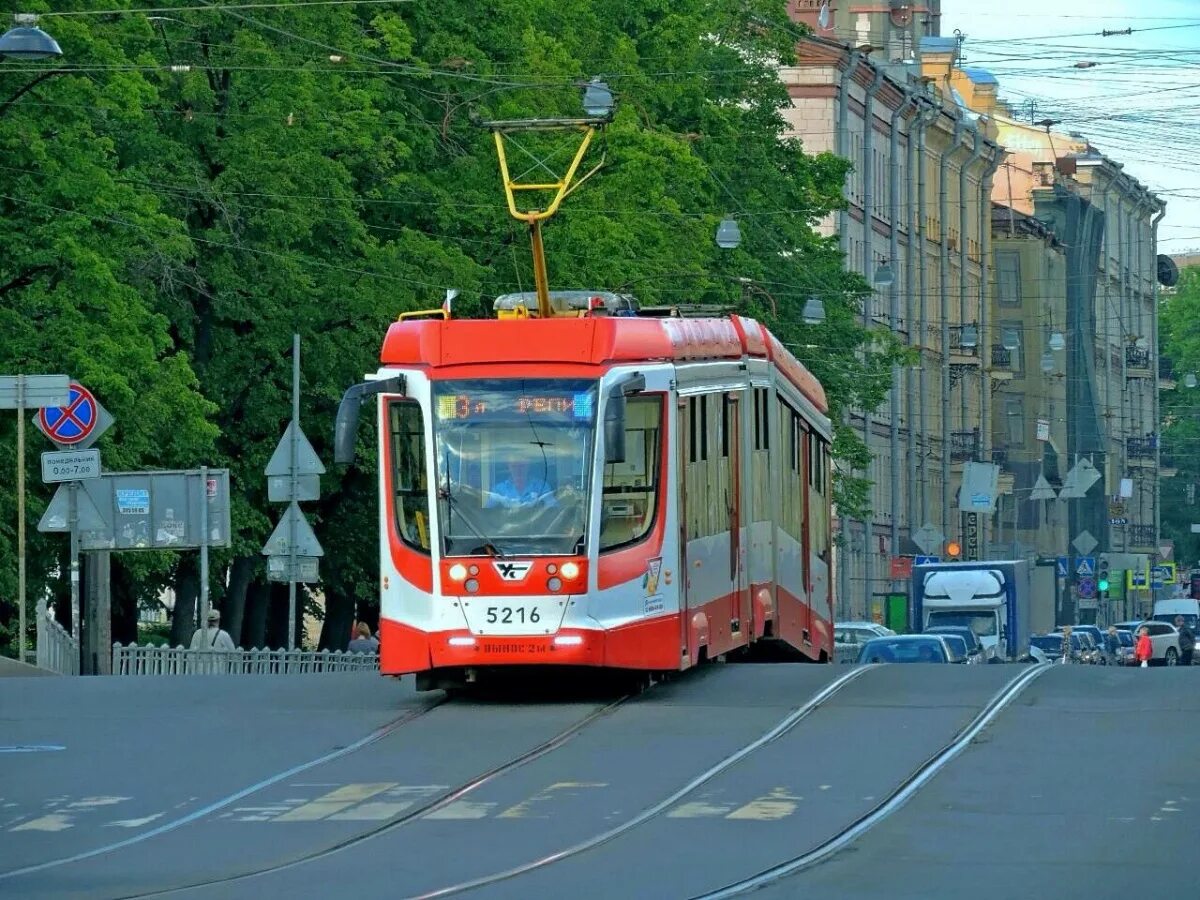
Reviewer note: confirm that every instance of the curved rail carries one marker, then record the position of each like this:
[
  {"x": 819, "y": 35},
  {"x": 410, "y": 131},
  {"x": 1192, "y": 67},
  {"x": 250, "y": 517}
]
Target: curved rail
[
  {"x": 892, "y": 801},
  {"x": 790, "y": 721}
]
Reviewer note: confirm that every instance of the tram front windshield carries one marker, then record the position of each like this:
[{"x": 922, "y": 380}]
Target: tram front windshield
[{"x": 513, "y": 463}]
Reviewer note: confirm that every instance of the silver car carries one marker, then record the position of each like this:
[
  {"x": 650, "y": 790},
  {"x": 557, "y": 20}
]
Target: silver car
[{"x": 848, "y": 638}]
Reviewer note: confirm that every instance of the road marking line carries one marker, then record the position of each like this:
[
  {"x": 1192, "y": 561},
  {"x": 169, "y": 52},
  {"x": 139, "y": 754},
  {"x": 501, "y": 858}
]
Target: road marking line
[
  {"x": 777, "y": 804},
  {"x": 463, "y": 809},
  {"x": 521, "y": 810},
  {"x": 133, "y": 823},
  {"x": 90, "y": 802},
  {"x": 699, "y": 809},
  {"x": 372, "y": 812},
  {"x": 52, "y": 822},
  {"x": 334, "y": 802}
]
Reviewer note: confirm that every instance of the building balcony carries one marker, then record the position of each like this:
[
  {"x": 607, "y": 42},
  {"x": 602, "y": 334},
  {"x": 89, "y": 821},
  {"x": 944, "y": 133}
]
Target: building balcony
[
  {"x": 1001, "y": 363},
  {"x": 964, "y": 445},
  {"x": 1137, "y": 363},
  {"x": 1142, "y": 537}
]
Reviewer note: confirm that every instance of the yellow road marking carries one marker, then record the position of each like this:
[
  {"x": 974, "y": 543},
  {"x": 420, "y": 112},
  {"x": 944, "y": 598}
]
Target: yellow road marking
[
  {"x": 777, "y": 804},
  {"x": 52, "y": 822},
  {"x": 463, "y": 809},
  {"x": 521, "y": 810},
  {"x": 334, "y": 802}
]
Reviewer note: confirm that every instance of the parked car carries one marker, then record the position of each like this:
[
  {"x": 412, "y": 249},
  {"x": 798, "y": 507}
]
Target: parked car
[
  {"x": 848, "y": 638},
  {"x": 976, "y": 653},
  {"x": 1125, "y": 648},
  {"x": 958, "y": 648},
  {"x": 1052, "y": 646},
  {"x": 1096, "y": 633},
  {"x": 906, "y": 648}
]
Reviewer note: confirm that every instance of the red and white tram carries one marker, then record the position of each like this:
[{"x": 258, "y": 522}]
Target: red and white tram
[{"x": 609, "y": 487}]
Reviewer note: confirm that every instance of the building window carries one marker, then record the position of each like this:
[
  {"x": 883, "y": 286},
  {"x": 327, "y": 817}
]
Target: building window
[
  {"x": 1014, "y": 425},
  {"x": 1008, "y": 278}
]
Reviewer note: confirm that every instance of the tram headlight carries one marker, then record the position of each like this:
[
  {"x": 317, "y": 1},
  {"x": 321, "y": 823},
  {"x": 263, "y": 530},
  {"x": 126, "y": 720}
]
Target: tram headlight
[
  {"x": 472, "y": 586},
  {"x": 570, "y": 571},
  {"x": 458, "y": 572},
  {"x": 555, "y": 584}
]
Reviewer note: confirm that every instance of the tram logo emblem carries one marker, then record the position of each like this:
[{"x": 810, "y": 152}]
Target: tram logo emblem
[
  {"x": 512, "y": 571},
  {"x": 650, "y": 579}
]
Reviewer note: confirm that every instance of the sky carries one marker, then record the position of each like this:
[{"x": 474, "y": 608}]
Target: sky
[{"x": 1137, "y": 104}]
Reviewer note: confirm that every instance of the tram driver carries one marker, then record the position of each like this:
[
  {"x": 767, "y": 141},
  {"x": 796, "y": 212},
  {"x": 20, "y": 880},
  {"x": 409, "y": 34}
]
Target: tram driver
[{"x": 521, "y": 489}]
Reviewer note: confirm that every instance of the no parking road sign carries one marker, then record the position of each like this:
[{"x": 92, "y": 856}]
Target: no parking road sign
[{"x": 77, "y": 425}]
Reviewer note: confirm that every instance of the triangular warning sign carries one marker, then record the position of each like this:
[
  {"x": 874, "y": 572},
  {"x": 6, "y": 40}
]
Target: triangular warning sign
[
  {"x": 58, "y": 512},
  {"x": 280, "y": 542},
  {"x": 307, "y": 461},
  {"x": 1041, "y": 490}
]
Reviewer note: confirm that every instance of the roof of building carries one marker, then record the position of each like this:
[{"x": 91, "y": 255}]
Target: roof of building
[{"x": 979, "y": 76}]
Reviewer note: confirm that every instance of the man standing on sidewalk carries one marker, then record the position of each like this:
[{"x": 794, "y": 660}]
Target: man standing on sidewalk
[{"x": 1187, "y": 641}]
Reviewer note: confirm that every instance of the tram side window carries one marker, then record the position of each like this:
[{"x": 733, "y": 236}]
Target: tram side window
[
  {"x": 791, "y": 508},
  {"x": 410, "y": 484},
  {"x": 818, "y": 485},
  {"x": 629, "y": 497}
]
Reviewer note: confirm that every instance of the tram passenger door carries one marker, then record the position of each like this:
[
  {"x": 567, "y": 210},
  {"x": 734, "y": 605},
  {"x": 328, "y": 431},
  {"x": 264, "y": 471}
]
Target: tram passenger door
[{"x": 740, "y": 626}]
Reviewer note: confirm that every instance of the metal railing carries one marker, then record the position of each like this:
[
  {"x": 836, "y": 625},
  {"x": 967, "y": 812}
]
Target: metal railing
[
  {"x": 964, "y": 445},
  {"x": 149, "y": 660},
  {"x": 57, "y": 651},
  {"x": 1001, "y": 357}
]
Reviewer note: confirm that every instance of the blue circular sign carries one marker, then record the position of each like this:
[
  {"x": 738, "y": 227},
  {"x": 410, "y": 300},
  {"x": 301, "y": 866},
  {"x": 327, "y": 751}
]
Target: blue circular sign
[{"x": 74, "y": 422}]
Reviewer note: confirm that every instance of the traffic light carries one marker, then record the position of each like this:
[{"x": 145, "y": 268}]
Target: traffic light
[
  {"x": 1102, "y": 575},
  {"x": 953, "y": 550}
]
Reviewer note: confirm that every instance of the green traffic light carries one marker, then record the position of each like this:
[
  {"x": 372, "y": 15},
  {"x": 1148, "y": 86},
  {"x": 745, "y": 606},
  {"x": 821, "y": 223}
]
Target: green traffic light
[{"x": 1103, "y": 584}]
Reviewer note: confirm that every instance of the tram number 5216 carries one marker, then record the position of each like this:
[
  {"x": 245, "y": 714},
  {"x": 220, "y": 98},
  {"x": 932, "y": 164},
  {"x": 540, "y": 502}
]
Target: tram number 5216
[{"x": 509, "y": 615}]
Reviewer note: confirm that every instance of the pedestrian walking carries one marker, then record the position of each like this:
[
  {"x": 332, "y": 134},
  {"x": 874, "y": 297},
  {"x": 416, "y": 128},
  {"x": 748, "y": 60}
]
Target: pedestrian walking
[
  {"x": 1112, "y": 643},
  {"x": 212, "y": 636},
  {"x": 1143, "y": 649},
  {"x": 1187, "y": 641},
  {"x": 1066, "y": 648}
]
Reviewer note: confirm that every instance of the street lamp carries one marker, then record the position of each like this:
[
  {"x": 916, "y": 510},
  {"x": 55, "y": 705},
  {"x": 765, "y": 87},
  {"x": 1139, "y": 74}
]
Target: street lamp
[
  {"x": 25, "y": 41},
  {"x": 969, "y": 337},
  {"x": 598, "y": 99},
  {"x": 729, "y": 235},
  {"x": 1057, "y": 341},
  {"x": 884, "y": 276},
  {"x": 1189, "y": 380},
  {"x": 1010, "y": 339},
  {"x": 1047, "y": 362},
  {"x": 814, "y": 311}
]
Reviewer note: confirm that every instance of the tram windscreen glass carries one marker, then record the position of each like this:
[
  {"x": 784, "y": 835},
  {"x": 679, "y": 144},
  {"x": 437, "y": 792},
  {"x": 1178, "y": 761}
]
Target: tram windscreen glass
[{"x": 514, "y": 458}]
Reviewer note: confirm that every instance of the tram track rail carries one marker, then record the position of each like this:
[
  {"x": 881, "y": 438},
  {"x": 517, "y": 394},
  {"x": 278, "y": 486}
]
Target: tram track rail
[
  {"x": 892, "y": 802},
  {"x": 412, "y": 815}
]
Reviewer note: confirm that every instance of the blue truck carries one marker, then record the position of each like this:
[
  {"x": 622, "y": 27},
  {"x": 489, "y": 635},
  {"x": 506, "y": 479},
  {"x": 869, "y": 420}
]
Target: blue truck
[{"x": 992, "y": 598}]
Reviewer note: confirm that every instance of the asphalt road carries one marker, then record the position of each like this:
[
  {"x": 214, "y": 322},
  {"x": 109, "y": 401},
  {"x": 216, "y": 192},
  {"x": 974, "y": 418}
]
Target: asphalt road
[{"x": 225, "y": 787}]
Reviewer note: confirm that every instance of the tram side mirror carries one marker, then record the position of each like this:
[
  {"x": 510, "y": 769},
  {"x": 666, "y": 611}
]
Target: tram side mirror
[
  {"x": 614, "y": 417},
  {"x": 345, "y": 428}
]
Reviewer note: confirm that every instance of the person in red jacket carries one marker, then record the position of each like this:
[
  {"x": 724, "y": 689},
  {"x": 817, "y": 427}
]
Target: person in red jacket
[{"x": 1143, "y": 650}]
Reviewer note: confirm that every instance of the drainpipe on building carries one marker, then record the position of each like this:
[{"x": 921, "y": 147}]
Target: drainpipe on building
[
  {"x": 944, "y": 291},
  {"x": 928, "y": 117},
  {"x": 1157, "y": 499},
  {"x": 985, "y": 320},
  {"x": 868, "y": 262},
  {"x": 894, "y": 213},
  {"x": 843, "y": 138},
  {"x": 964, "y": 261}
]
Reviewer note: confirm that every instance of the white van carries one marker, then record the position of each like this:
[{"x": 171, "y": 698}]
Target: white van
[{"x": 1167, "y": 610}]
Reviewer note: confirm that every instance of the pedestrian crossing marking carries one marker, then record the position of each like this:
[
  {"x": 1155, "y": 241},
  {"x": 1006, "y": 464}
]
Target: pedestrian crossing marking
[
  {"x": 776, "y": 804},
  {"x": 521, "y": 810},
  {"x": 463, "y": 809},
  {"x": 335, "y": 801},
  {"x": 52, "y": 822},
  {"x": 375, "y": 811}
]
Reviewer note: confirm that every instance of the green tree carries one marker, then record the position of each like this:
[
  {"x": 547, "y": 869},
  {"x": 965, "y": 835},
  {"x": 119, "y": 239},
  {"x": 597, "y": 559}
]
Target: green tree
[{"x": 1179, "y": 343}]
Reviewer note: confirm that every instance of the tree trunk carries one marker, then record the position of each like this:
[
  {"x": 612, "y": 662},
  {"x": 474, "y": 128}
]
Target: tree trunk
[
  {"x": 187, "y": 595},
  {"x": 254, "y": 621},
  {"x": 124, "y": 604},
  {"x": 339, "y": 619},
  {"x": 235, "y": 600},
  {"x": 277, "y": 616}
]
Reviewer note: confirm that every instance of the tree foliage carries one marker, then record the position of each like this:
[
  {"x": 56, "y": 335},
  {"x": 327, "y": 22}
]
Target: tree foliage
[
  {"x": 187, "y": 191},
  {"x": 1179, "y": 329}
]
